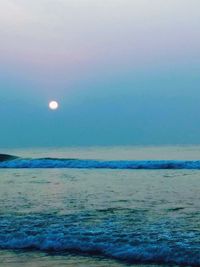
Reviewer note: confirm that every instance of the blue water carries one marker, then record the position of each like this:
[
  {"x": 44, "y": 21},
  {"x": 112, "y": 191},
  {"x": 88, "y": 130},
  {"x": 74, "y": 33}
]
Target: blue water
[
  {"x": 108, "y": 213},
  {"x": 97, "y": 164}
]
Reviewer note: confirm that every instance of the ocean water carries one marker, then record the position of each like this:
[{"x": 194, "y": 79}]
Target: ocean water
[{"x": 117, "y": 206}]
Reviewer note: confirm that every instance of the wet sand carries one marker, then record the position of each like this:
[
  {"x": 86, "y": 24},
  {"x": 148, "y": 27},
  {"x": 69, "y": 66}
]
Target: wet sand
[{"x": 31, "y": 259}]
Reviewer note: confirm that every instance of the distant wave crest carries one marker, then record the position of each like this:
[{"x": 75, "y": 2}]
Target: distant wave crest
[{"x": 7, "y": 161}]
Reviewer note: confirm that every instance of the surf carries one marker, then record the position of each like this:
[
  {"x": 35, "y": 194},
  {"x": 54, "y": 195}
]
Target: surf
[
  {"x": 59, "y": 234},
  {"x": 10, "y": 161}
]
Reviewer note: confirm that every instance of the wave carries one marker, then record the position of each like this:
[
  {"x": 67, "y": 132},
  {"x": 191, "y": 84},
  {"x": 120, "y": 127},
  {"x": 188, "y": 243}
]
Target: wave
[
  {"x": 9, "y": 161},
  {"x": 125, "y": 253},
  {"x": 107, "y": 238}
]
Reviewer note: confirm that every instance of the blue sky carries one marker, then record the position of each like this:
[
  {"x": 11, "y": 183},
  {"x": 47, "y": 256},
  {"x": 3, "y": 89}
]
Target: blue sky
[{"x": 124, "y": 72}]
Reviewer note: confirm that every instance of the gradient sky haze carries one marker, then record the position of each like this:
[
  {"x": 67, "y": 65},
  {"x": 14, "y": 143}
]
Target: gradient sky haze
[{"x": 125, "y": 72}]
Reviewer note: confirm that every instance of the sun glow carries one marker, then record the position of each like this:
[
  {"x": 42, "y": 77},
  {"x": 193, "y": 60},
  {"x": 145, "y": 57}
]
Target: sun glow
[{"x": 53, "y": 105}]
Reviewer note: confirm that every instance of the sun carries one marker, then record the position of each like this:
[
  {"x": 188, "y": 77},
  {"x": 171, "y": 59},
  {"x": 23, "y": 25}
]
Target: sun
[{"x": 53, "y": 105}]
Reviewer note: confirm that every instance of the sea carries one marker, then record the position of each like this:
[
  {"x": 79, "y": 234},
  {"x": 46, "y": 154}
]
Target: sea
[{"x": 100, "y": 206}]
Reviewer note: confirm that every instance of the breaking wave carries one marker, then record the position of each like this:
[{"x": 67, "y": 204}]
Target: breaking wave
[
  {"x": 107, "y": 238},
  {"x": 7, "y": 161}
]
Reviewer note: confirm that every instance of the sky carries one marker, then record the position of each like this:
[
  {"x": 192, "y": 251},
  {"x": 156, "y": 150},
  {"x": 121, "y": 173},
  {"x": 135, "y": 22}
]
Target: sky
[{"x": 125, "y": 72}]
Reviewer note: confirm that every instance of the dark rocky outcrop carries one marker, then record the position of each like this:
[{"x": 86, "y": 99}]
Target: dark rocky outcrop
[{"x": 5, "y": 157}]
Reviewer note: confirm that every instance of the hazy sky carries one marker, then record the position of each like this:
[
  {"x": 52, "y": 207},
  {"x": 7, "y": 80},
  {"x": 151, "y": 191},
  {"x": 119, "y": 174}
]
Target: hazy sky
[{"x": 124, "y": 72}]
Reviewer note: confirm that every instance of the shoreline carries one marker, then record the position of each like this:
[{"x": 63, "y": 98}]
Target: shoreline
[{"x": 16, "y": 258}]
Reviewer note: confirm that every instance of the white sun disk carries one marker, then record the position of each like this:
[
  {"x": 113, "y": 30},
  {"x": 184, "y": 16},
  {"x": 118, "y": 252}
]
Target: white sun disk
[{"x": 53, "y": 105}]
